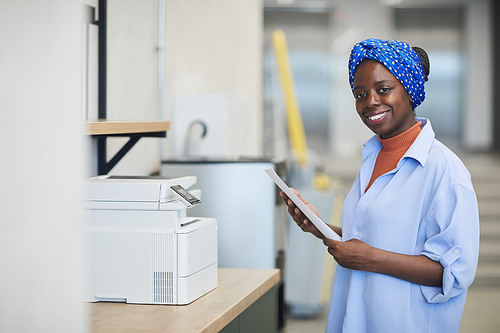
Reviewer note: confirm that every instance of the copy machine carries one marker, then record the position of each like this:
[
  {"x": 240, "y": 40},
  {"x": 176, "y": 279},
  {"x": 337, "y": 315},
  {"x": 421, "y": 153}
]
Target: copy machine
[{"x": 143, "y": 247}]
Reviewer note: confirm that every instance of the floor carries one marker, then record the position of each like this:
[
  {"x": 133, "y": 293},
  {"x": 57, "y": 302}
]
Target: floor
[{"x": 482, "y": 308}]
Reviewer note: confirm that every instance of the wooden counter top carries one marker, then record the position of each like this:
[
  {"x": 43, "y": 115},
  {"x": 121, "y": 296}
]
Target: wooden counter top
[
  {"x": 106, "y": 127},
  {"x": 237, "y": 289}
]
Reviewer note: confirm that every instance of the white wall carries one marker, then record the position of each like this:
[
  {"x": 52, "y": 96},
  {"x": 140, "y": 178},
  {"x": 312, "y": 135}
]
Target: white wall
[
  {"x": 41, "y": 169},
  {"x": 215, "y": 47},
  {"x": 211, "y": 47}
]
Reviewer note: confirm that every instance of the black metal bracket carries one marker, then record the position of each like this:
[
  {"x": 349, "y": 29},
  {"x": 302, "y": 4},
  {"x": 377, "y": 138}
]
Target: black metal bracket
[{"x": 103, "y": 165}]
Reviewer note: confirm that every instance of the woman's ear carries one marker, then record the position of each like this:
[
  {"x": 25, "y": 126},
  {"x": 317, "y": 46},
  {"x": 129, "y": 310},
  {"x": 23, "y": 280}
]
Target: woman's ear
[{"x": 411, "y": 104}]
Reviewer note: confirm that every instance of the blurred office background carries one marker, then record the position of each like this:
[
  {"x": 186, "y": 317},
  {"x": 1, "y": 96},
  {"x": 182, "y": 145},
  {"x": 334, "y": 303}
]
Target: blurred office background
[{"x": 164, "y": 52}]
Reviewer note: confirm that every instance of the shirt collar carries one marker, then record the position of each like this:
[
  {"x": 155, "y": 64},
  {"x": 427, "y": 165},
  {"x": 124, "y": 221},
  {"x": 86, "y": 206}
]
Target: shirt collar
[
  {"x": 371, "y": 146},
  {"x": 419, "y": 150}
]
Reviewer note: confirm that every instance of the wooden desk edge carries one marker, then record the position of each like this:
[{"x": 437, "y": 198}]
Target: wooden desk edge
[{"x": 225, "y": 318}]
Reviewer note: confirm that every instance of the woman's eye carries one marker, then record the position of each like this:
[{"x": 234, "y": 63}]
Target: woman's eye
[
  {"x": 384, "y": 90},
  {"x": 359, "y": 96}
]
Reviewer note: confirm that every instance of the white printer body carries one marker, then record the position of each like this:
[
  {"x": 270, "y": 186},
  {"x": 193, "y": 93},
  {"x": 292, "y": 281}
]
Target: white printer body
[{"x": 143, "y": 247}]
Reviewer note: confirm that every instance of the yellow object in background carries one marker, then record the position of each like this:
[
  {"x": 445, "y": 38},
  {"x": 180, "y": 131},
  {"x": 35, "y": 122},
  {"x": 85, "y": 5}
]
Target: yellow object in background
[
  {"x": 321, "y": 181},
  {"x": 296, "y": 130}
]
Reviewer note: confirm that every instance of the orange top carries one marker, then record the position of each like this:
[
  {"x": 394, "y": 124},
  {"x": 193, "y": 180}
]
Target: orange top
[{"x": 392, "y": 150}]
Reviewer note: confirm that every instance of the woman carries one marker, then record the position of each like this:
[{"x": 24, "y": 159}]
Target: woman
[{"x": 410, "y": 224}]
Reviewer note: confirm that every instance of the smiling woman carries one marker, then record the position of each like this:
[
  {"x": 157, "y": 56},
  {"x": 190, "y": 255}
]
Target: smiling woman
[{"x": 410, "y": 224}]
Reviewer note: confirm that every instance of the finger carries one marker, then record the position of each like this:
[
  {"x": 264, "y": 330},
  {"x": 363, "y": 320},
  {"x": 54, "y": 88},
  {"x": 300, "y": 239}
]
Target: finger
[
  {"x": 299, "y": 215},
  {"x": 285, "y": 198},
  {"x": 330, "y": 243},
  {"x": 296, "y": 217},
  {"x": 306, "y": 225},
  {"x": 298, "y": 195},
  {"x": 300, "y": 223}
]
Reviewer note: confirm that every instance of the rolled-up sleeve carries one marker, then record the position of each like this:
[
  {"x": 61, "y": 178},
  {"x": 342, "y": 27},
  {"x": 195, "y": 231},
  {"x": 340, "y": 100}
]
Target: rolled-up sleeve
[{"x": 453, "y": 241}]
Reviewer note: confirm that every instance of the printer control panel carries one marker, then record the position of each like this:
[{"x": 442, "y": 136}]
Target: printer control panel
[{"x": 185, "y": 196}]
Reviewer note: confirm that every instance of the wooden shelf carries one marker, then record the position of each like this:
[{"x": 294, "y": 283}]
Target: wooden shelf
[
  {"x": 237, "y": 290},
  {"x": 135, "y": 130},
  {"x": 106, "y": 127}
]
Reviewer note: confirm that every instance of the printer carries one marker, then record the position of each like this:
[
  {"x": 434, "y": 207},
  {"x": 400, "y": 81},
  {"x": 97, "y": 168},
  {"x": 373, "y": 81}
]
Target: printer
[{"x": 144, "y": 248}]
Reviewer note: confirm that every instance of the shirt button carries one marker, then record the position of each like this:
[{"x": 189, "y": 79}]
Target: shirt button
[
  {"x": 356, "y": 234},
  {"x": 457, "y": 251}
]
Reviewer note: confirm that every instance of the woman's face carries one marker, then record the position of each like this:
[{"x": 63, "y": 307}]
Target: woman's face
[{"x": 382, "y": 102}]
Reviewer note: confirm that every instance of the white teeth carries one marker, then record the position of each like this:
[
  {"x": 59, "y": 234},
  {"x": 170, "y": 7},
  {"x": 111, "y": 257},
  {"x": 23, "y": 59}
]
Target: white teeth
[{"x": 377, "y": 116}]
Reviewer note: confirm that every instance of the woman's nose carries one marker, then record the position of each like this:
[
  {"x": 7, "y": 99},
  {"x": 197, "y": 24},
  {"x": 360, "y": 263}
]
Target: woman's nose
[{"x": 372, "y": 100}]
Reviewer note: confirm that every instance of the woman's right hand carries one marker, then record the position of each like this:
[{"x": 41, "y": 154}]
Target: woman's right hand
[{"x": 299, "y": 217}]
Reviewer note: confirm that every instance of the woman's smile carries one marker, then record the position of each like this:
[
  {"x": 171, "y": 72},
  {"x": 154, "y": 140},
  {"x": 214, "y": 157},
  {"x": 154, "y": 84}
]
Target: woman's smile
[{"x": 376, "y": 118}]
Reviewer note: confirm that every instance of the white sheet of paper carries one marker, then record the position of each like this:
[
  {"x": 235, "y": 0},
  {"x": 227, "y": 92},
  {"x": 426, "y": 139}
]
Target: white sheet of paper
[{"x": 322, "y": 227}]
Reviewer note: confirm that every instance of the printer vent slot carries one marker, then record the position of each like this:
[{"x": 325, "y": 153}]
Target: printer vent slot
[{"x": 163, "y": 268}]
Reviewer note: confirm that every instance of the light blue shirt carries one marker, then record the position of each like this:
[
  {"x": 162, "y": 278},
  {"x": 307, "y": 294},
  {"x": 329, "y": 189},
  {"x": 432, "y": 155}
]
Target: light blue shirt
[{"x": 425, "y": 206}]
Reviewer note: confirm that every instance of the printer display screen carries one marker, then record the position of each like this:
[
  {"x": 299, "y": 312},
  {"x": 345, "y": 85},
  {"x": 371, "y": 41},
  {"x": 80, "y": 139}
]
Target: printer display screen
[{"x": 185, "y": 194}]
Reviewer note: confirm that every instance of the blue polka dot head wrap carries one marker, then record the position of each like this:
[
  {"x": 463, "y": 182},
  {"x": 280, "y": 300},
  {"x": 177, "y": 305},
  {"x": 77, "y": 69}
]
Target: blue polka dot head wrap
[{"x": 399, "y": 58}]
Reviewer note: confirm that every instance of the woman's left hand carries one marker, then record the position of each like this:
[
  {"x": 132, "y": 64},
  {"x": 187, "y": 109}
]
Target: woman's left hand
[{"x": 352, "y": 254}]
